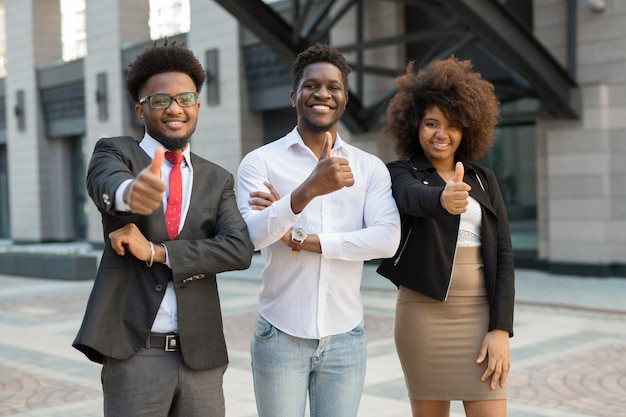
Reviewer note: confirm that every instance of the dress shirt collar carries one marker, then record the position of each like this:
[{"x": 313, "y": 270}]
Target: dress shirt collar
[{"x": 293, "y": 138}]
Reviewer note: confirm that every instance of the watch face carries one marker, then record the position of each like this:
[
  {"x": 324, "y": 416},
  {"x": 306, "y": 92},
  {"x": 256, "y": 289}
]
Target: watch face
[{"x": 298, "y": 234}]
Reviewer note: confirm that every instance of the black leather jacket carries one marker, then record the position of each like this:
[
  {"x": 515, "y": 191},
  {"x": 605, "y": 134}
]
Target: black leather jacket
[{"x": 425, "y": 257}]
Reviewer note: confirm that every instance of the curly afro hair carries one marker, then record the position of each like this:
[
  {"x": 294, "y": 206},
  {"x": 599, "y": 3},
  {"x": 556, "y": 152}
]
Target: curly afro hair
[
  {"x": 319, "y": 53},
  {"x": 459, "y": 92},
  {"x": 157, "y": 59}
]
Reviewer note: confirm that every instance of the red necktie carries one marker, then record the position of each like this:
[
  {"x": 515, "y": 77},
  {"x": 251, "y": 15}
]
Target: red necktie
[{"x": 175, "y": 198}]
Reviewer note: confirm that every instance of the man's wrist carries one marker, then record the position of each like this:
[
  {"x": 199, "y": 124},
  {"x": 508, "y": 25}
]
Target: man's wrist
[
  {"x": 151, "y": 261},
  {"x": 298, "y": 235},
  {"x": 127, "y": 193}
]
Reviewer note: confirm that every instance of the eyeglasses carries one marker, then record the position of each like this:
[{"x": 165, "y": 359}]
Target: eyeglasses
[{"x": 163, "y": 101}]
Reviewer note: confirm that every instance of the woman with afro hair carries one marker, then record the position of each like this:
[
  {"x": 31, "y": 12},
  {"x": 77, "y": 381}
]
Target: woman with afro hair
[{"x": 454, "y": 266}]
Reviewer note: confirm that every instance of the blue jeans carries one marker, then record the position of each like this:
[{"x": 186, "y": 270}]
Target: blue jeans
[{"x": 285, "y": 368}]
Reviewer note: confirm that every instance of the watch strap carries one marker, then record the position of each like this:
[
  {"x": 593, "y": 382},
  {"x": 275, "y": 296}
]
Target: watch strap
[{"x": 296, "y": 245}]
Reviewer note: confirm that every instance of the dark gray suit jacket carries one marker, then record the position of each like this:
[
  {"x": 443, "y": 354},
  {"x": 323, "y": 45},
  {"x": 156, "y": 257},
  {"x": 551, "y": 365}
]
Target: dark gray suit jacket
[{"x": 127, "y": 293}]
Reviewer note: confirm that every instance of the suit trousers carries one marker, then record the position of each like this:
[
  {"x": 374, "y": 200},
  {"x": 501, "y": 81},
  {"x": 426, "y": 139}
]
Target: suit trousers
[{"x": 157, "y": 383}]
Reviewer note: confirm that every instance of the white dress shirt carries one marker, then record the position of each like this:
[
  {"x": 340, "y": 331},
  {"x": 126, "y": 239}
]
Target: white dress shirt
[
  {"x": 166, "y": 320},
  {"x": 309, "y": 295}
]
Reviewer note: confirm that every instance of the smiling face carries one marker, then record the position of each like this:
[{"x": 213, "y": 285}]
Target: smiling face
[
  {"x": 439, "y": 138},
  {"x": 174, "y": 125},
  {"x": 321, "y": 98}
]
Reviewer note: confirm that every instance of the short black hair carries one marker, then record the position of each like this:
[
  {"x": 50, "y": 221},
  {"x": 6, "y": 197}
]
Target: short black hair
[
  {"x": 156, "y": 59},
  {"x": 319, "y": 53}
]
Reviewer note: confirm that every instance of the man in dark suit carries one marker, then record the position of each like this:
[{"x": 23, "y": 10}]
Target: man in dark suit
[{"x": 153, "y": 317}]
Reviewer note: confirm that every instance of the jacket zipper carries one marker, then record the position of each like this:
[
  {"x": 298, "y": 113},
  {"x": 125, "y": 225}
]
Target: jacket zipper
[
  {"x": 479, "y": 181},
  {"x": 406, "y": 241}
]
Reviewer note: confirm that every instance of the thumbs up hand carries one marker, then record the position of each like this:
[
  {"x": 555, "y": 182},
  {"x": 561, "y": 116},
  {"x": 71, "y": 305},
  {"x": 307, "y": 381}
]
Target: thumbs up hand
[
  {"x": 145, "y": 193},
  {"x": 328, "y": 146},
  {"x": 459, "y": 172},
  {"x": 330, "y": 173},
  {"x": 455, "y": 195},
  {"x": 157, "y": 161}
]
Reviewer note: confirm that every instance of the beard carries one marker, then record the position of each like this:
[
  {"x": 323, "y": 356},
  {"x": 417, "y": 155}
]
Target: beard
[{"x": 172, "y": 143}]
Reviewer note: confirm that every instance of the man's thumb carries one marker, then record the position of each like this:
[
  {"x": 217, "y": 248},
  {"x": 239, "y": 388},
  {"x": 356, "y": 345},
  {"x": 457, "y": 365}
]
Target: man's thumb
[
  {"x": 459, "y": 172},
  {"x": 157, "y": 161},
  {"x": 328, "y": 145}
]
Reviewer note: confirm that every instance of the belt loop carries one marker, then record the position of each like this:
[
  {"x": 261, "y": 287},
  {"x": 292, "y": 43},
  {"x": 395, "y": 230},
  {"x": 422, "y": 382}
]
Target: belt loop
[{"x": 148, "y": 342}]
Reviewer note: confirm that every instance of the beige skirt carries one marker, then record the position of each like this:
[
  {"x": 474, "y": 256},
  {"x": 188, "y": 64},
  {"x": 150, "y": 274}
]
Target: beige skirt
[{"x": 438, "y": 342}]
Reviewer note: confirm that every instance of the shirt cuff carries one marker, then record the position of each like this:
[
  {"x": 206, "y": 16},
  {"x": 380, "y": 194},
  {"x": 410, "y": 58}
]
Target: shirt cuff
[
  {"x": 167, "y": 256},
  {"x": 120, "y": 205},
  {"x": 331, "y": 244}
]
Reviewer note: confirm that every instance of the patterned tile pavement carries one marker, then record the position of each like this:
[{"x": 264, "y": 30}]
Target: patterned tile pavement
[{"x": 568, "y": 353}]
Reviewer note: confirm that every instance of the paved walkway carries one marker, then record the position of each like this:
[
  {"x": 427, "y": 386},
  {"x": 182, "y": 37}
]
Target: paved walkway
[{"x": 568, "y": 353}]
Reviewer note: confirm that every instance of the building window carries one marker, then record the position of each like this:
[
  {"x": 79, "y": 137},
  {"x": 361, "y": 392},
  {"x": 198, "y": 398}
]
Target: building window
[
  {"x": 169, "y": 18},
  {"x": 73, "y": 29}
]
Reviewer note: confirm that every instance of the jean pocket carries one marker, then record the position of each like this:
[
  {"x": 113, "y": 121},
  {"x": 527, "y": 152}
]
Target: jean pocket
[
  {"x": 358, "y": 330},
  {"x": 263, "y": 329}
]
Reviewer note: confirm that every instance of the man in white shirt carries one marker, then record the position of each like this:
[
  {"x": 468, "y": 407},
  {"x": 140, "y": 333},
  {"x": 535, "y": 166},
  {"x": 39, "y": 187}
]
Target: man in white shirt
[{"x": 316, "y": 207}]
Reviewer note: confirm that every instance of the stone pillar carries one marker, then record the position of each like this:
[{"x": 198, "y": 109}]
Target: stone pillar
[
  {"x": 33, "y": 37},
  {"x": 581, "y": 173},
  {"x": 105, "y": 94},
  {"x": 222, "y": 126}
]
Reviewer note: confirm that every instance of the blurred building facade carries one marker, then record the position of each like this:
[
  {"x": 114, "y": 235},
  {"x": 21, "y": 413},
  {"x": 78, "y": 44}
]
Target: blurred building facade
[{"x": 559, "y": 67}]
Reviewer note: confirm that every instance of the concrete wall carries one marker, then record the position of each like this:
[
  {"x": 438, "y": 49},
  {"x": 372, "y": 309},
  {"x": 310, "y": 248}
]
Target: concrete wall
[
  {"x": 581, "y": 174},
  {"x": 34, "y": 33},
  {"x": 219, "y": 133},
  {"x": 126, "y": 22}
]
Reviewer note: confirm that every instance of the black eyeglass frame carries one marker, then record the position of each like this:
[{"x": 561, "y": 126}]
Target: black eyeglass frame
[{"x": 170, "y": 98}]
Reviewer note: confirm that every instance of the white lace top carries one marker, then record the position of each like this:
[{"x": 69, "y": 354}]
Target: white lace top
[{"x": 469, "y": 229}]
